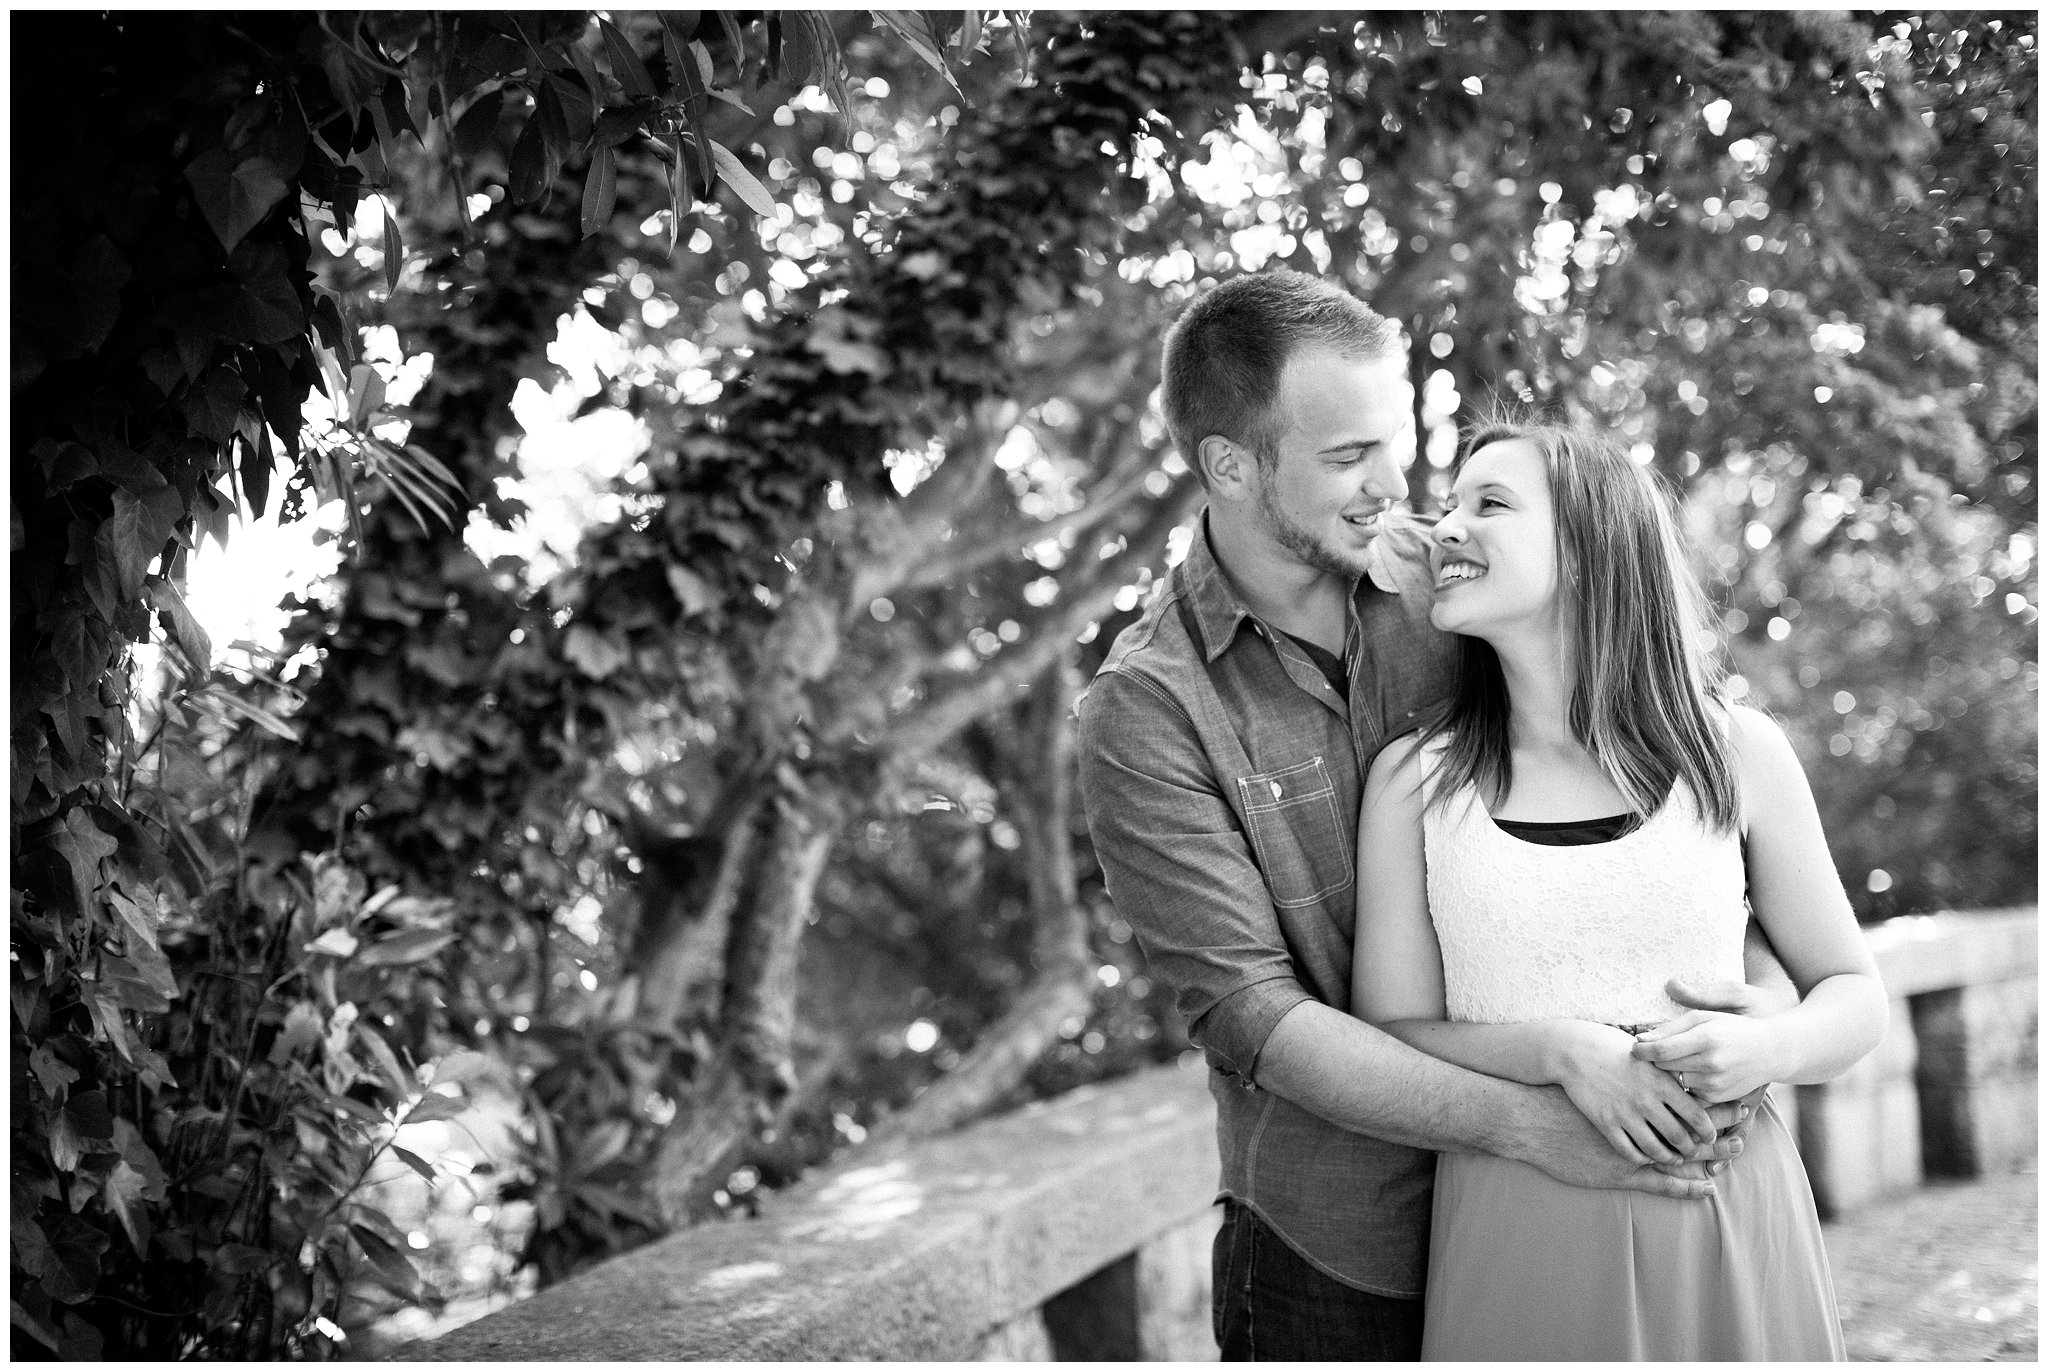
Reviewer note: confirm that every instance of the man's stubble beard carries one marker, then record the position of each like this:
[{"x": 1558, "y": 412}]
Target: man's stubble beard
[{"x": 1314, "y": 552}]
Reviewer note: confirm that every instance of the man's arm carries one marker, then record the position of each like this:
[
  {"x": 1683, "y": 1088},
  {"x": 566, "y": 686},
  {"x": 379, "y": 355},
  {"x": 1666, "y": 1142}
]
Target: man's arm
[
  {"x": 1371, "y": 1083},
  {"x": 1181, "y": 872}
]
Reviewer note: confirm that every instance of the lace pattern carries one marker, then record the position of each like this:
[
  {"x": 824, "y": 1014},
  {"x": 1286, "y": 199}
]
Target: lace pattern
[{"x": 1589, "y": 932}]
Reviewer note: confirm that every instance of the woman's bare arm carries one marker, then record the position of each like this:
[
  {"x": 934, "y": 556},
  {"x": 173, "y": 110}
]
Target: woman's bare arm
[{"x": 1799, "y": 901}]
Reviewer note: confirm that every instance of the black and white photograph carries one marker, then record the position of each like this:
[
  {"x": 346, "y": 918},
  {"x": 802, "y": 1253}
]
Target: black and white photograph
[{"x": 1024, "y": 685}]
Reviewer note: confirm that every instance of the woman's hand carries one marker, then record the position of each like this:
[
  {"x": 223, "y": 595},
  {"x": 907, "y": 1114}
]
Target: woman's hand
[
  {"x": 1642, "y": 1112},
  {"x": 1713, "y": 1055}
]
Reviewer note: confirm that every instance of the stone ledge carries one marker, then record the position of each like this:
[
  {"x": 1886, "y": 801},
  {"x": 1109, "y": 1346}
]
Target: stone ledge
[
  {"x": 1920, "y": 953},
  {"x": 920, "y": 1255}
]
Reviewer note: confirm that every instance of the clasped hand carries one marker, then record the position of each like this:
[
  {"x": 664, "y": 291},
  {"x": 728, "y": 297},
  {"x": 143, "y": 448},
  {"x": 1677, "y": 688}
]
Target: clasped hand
[
  {"x": 1715, "y": 1056},
  {"x": 1642, "y": 1111}
]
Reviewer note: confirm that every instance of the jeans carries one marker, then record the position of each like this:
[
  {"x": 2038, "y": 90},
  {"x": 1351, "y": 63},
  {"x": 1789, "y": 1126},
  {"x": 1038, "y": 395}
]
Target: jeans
[{"x": 1270, "y": 1304}]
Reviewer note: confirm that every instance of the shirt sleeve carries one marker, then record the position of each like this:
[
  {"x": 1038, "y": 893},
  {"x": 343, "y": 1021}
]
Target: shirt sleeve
[{"x": 1179, "y": 867}]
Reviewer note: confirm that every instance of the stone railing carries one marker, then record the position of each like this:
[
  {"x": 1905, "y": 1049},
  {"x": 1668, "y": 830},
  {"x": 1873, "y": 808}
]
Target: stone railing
[
  {"x": 1953, "y": 1089},
  {"x": 1079, "y": 1228}
]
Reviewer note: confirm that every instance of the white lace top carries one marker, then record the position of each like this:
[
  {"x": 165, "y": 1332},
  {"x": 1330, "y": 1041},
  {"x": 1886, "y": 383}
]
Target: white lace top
[{"x": 1585, "y": 932}]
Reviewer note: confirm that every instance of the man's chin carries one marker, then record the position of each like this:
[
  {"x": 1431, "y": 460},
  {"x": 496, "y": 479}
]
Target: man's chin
[
  {"x": 1346, "y": 559},
  {"x": 1340, "y": 553}
]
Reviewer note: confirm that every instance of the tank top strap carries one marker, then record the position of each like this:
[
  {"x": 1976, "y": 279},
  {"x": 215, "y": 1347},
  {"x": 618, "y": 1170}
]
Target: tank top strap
[
  {"x": 1444, "y": 817},
  {"x": 1429, "y": 757}
]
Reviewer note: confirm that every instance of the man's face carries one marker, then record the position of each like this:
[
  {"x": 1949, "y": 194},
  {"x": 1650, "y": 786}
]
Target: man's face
[{"x": 1346, "y": 427}]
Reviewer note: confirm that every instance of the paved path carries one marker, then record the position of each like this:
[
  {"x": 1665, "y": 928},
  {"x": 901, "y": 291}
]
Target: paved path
[{"x": 1949, "y": 1273}]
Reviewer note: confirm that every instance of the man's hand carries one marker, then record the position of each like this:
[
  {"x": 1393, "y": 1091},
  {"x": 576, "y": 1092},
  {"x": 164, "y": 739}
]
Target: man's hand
[
  {"x": 1562, "y": 1143},
  {"x": 1734, "y": 997}
]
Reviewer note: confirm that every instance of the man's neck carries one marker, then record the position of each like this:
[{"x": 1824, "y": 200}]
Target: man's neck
[{"x": 1281, "y": 590}]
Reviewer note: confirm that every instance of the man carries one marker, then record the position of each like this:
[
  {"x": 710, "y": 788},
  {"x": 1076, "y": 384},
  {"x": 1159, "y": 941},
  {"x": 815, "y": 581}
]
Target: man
[{"x": 1223, "y": 746}]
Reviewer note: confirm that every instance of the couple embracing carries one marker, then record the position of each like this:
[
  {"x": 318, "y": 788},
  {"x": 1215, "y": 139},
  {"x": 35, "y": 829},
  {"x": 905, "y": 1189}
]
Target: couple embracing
[{"x": 1449, "y": 842}]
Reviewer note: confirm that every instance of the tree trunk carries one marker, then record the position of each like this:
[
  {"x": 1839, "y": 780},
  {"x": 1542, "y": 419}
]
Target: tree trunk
[
  {"x": 1061, "y": 988},
  {"x": 709, "y": 1130},
  {"x": 679, "y": 943},
  {"x": 752, "y": 1075}
]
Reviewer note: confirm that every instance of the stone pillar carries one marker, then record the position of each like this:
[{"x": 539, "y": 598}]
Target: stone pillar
[
  {"x": 1174, "y": 1277},
  {"x": 1859, "y": 1134},
  {"x": 1978, "y": 1076},
  {"x": 1096, "y": 1319}
]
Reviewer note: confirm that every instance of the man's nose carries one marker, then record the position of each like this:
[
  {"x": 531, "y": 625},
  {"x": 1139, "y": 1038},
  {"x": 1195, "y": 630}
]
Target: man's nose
[{"x": 1385, "y": 479}]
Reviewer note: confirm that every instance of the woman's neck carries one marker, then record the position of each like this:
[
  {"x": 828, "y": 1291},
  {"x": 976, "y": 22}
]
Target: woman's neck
[{"x": 1538, "y": 671}]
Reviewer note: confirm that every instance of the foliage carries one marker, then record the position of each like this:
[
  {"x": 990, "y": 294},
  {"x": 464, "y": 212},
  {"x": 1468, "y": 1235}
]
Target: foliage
[{"x": 167, "y": 332}]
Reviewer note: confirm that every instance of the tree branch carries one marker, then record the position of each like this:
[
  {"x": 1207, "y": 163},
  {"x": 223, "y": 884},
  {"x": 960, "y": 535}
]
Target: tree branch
[
  {"x": 1003, "y": 678},
  {"x": 1119, "y": 487}
]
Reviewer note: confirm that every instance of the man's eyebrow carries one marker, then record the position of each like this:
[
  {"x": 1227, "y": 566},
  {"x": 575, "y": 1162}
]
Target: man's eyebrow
[{"x": 1349, "y": 444}]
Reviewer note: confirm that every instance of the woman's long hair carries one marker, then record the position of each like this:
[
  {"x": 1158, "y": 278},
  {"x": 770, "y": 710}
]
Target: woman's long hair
[{"x": 1645, "y": 675}]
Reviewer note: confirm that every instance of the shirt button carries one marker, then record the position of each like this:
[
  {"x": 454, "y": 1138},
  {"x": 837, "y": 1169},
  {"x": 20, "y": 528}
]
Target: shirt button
[{"x": 1276, "y": 790}]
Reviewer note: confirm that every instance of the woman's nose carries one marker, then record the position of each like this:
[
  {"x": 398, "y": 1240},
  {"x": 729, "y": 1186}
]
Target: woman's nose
[{"x": 1449, "y": 530}]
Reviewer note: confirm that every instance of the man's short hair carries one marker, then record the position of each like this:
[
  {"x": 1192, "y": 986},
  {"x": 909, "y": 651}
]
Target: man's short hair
[{"x": 1224, "y": 355}]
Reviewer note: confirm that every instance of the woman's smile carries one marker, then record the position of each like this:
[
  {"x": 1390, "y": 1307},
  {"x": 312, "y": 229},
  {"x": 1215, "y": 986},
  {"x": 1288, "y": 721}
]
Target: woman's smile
[{"x": 1454, "y": 571}]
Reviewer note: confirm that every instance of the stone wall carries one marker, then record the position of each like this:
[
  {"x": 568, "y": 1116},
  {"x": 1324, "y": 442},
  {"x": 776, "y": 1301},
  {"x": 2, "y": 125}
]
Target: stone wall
[
  {"x": 1079, "y": 1228},
  {"x": 1068, "y": 1229},
  {"x": 1952, "y": 1091}
]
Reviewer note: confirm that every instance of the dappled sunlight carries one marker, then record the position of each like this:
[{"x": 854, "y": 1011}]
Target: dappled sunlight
[
  {"x": 863, "y": 1203},
  {"x": 724, "y": 1280}
]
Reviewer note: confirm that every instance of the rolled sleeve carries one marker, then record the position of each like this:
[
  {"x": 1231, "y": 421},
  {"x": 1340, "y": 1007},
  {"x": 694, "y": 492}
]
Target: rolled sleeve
[
  {"x": 1238, "y": 1026},
  {"x": 1180, "y": 870}
]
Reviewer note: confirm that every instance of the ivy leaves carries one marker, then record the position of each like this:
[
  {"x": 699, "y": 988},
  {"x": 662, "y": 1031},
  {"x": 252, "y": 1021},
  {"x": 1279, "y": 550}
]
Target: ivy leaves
[{"x": 234, "y": 196}]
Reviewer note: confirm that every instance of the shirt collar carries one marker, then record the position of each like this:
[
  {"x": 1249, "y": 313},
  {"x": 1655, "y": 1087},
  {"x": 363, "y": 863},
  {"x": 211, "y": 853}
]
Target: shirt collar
[{"x": 1219, "y": 610}]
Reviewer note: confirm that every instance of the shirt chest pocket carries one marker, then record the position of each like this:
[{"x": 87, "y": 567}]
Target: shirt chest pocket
[{"x": 1303, "y": 846}]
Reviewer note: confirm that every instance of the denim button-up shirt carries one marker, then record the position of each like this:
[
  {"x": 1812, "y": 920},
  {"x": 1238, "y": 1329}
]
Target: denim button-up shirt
[{"x": 1222, "y": 776}]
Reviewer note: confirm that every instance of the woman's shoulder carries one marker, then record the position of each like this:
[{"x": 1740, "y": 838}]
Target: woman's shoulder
[
  {"x": 1766, "y": 767},
  {"x": 1755, "y": 737},
  {"x": 1397, "y": 770}
]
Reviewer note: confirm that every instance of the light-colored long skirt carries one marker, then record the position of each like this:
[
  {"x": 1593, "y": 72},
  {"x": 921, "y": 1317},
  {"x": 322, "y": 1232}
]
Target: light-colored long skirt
[{"x": 1523, "y": 1268}]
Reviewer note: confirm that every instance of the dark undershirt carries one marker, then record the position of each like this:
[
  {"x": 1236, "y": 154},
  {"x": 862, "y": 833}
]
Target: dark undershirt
[
  {"x": 1329, "y": 664},
  {"x": 1567, "y": 834},
  {"x": 1570, "y": 833}
]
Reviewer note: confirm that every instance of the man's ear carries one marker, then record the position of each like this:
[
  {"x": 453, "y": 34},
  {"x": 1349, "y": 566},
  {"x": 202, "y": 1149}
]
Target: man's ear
[{"x": 1227, "y": 466}]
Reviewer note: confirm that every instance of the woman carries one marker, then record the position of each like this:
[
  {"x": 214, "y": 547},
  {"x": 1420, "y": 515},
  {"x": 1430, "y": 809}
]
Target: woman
[{"x": 1575, "y": 830}]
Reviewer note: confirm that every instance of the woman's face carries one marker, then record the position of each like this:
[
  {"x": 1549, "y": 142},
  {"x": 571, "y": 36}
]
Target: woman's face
[{"x": 1496, "y": 545}]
